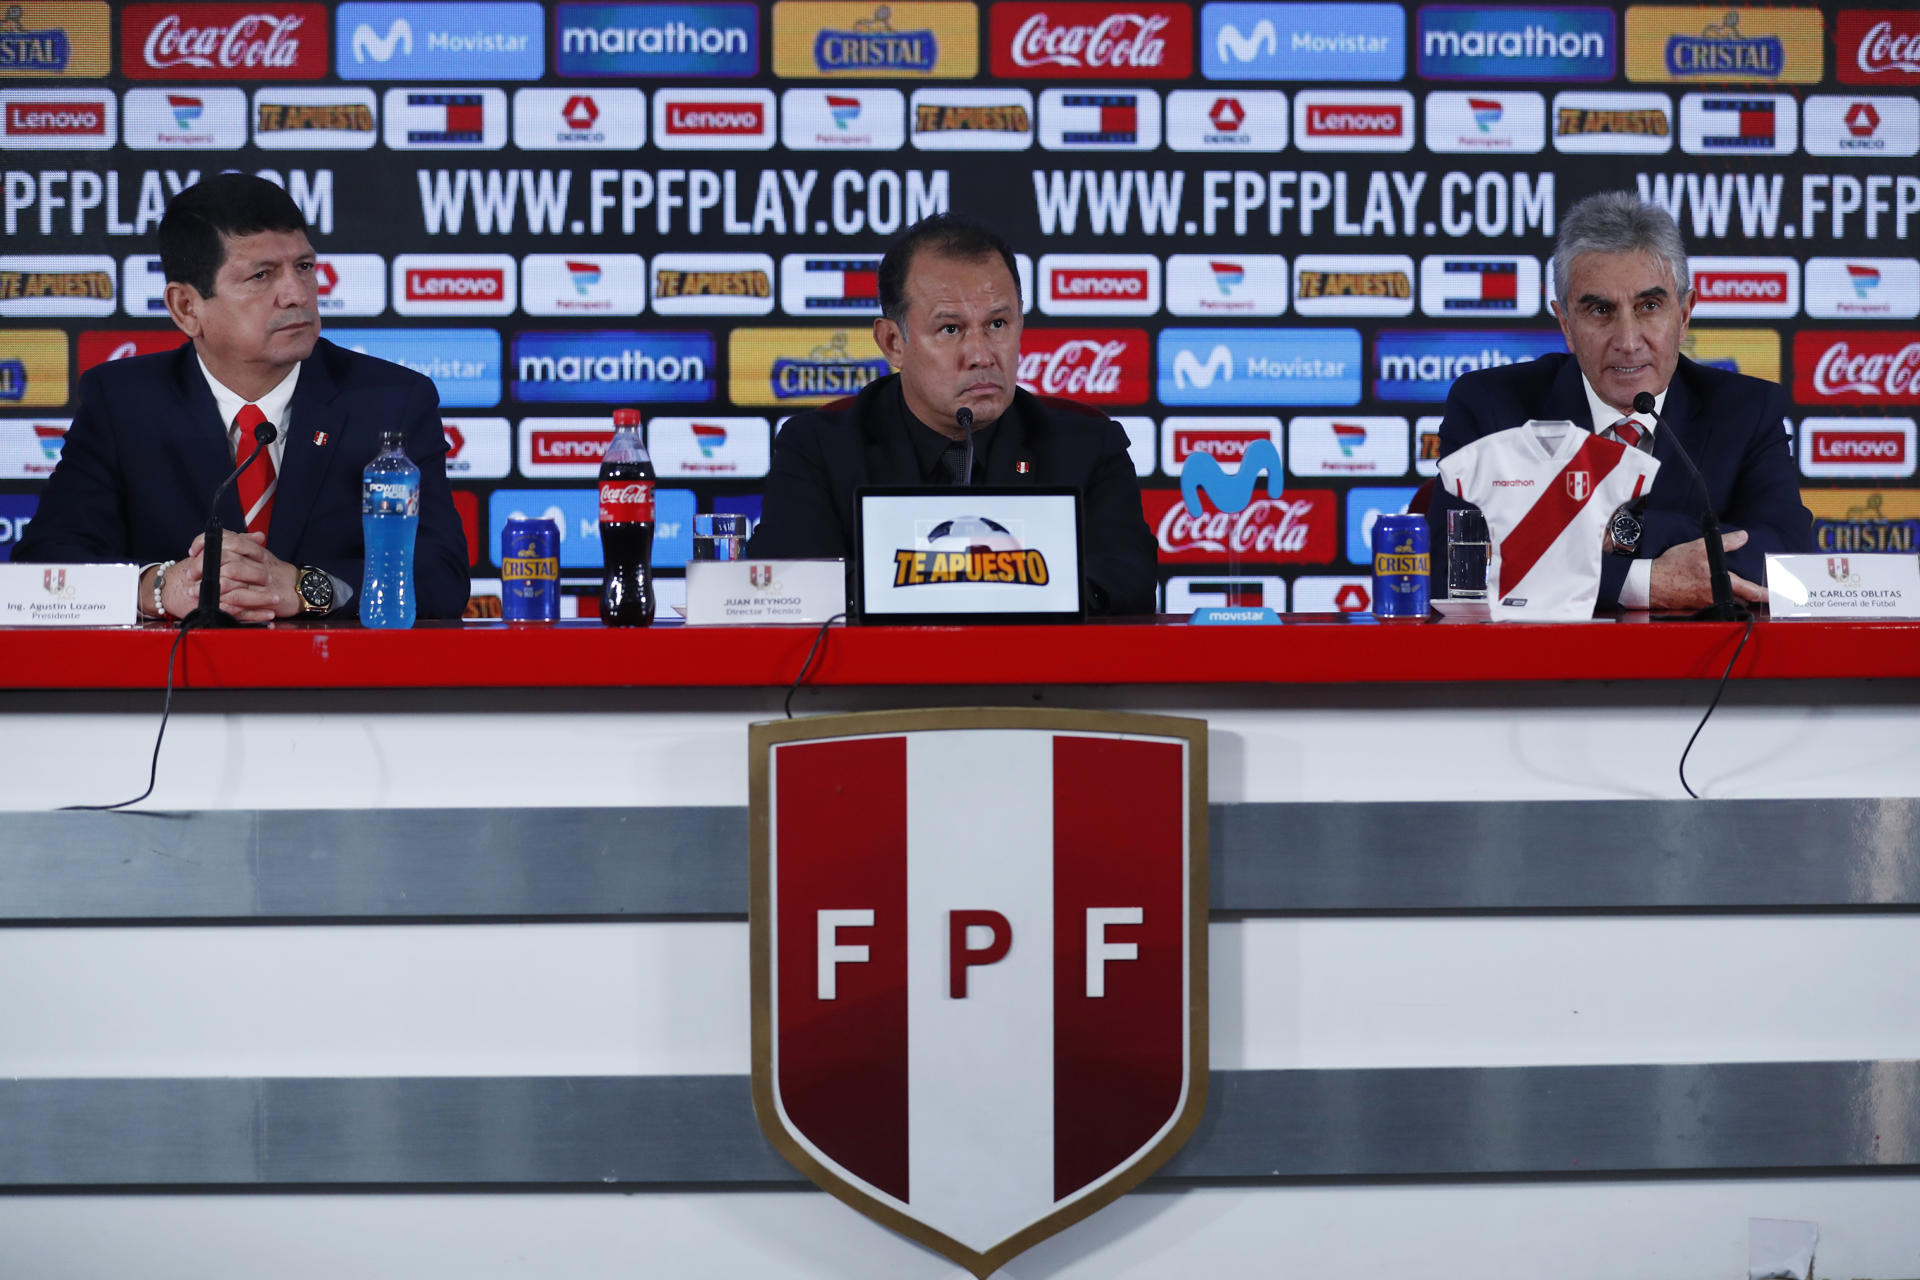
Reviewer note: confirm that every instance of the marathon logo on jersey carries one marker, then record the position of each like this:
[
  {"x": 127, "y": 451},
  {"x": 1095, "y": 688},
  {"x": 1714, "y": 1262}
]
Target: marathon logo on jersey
[
  {"x": 612, "y": 366},
  {"x": 1881, "y": 447},
  {"x": 1226, "y": 284},
  {"x": 713, "y": 284},
  {"x": 49, "y": 286},
  {"x": 1878, "y": 46},
  {"x": 1747, "y": 124},
  {"x": 1353, "y": 120},
  {"x": 938, "y": 40},
  {"x": 65, "y": 39},
  {"x": 1422, "y": 366},
  {"x": 1861, "y": 126},
  {"x": 843, "y": 119},
  {"x": 1299, "y": 526},
  {"x": 464, "y": 364},
  {"x": 56, "y": 119},
  {"x": 800, "y": 368},
  {"x": 1347, "y": 446},
  {"x": 583, "y": 284},
  {"x": 1237, "y": 120},
  {"x": 1868, "y": 366},
  {"x": 562, "y": 448},
  {"x": 446, "y": 120},
  {"x": 1863, "y": 288},
  {"x": 711, "y": 448},
  {"x": 1704, "y": 43},
  {"x": 972, "y": 119},
  {"x": 351, "y": 284},
  {"x": 472, "y": 40},
  {"x": 478, "y": 448},
  {"x": 1186, "y": 594},
  {"x": 1099, "y": 284},
  {"x": 1871, "y": 521},
  {"x": 1310, "y": 42},
  {"x": 1353, "y": 285},
  {"x": 100, "y": 346},
  {"x": 1094, "y": 366},
  {"x": 277, "y": 41},
  {"x": 30, "y": 447},
  {"x": 186, "y": 120},
  {"x": 461, "y": 284},
  {"x": 1613, "y": 123},
  {"x": 1458, "y": 42},
  {"x": 1092, "y": 120},
  {"x": 315, "y": 119},
  {"x": 816, "y": 285},
  {"x": 1737, "y": 288},
  {"x": 1480, "y": 286},
  {"x": 1225, "y": 440},
  {"x": 648, "y": 40},
  {"x": 1486, "y": 123},
  {"x": 579, "y": 119},
  {"x": 1426, "y": 446},
  {"x": 1077, "y": 40},
  {"x": 1754, "y": 352},
  {"x": 713, "y": 119},
  {"x": 1259, "y": 366}
]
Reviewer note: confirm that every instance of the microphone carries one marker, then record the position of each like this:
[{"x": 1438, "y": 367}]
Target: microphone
[
  {"x": 1724, "y": 607},
  {"x": 964, "y": 416},
  {"x": 208, "y": 614}
]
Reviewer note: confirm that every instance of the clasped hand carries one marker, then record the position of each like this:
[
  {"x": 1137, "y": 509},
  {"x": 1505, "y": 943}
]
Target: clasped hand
[{"x": 255, "y": 584}]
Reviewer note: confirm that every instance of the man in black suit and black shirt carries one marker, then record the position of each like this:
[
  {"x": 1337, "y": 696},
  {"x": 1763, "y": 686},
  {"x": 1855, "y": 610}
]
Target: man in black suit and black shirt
[{"x": 950, "y": 327}]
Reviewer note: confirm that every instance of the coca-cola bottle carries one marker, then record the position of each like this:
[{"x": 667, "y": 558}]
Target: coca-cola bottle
[{"x": 626, "y": 526}]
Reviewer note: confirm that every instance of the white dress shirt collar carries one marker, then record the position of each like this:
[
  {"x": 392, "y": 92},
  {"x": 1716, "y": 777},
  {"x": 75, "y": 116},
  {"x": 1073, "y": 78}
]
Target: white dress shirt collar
[
  {"x": 273, "y": 405},
  {"x": 1605, "y": 415}
]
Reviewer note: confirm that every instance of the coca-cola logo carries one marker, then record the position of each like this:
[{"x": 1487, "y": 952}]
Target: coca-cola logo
[
  {"x": 1354, "y": 122},
  {"x": 1858, "y": 367},
  {"x": 1106, "y": 366},
  {"x": 1298, "y": 526},
  {"x": 1886, "y": 46},
  {"x": 1222, "y": 446},
  {"x": 1082, "y": 40},
  {"x": 98, "y": 346},
  {"x": 1741, "y": 286},
  {"x": 56, "y": 119},
  {"x": 445, "y": 283},
  {"x": 225, "y": 41},
  {"x": 1071, "y": 283},
  {"x": 626, "y": 501},
  {"x": 732, "y": 118}
]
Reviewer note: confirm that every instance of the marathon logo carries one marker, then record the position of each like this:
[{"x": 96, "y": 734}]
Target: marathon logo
[
  {"x": 601, "y": 367},
  {"x": 947, "y": 568}
]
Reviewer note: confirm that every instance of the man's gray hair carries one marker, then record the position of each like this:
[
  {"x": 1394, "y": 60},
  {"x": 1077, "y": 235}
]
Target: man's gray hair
[{"x": 1617, "y": 222}]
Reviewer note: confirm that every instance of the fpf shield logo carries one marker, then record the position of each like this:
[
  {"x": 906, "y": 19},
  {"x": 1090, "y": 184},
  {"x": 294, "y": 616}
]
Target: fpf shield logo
[{"x": 974, "y": 1023}]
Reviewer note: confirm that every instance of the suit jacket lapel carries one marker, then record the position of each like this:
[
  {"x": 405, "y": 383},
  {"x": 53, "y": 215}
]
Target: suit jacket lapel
[
  {"x": 202, "y": 438},
  {"x": 890, "y": 455},
  {"x": 1677, "y": 421},
  {"x": 1010, "y": 447},
  {"x": 1567, "y": 399},
  {"x": 313, "y": 438}
]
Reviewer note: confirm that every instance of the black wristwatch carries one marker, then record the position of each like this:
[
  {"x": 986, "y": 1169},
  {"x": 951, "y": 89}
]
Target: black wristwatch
[
  {"x": 316, "y": 592},
  {"x": 1623, "y": 533}
]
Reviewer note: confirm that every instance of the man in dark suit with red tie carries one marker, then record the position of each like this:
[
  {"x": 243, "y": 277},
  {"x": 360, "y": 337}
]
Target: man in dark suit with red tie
[
  {"x": 1623, "y": 299},
  {"x": 155, "y": 435}
]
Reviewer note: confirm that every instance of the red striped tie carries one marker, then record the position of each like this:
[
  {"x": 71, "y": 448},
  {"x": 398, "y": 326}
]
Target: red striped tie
[
  {"x": 1626, "y": 433},
  {"x": 256, "y": 484}
]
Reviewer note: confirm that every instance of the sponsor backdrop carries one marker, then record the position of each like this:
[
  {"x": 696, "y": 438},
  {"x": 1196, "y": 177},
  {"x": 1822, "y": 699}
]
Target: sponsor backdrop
[{"x": 1284, "y": 224}]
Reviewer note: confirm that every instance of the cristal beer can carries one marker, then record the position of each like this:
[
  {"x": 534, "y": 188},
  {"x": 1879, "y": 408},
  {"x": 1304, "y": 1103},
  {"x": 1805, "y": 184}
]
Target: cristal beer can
[
  {"x": 1400, "y": 567},
  {"x": 530, "y": 570}
]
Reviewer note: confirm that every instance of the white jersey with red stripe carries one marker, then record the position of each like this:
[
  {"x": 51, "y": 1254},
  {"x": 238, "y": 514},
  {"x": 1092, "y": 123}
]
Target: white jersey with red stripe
[{"x": 1548, "y": 491}]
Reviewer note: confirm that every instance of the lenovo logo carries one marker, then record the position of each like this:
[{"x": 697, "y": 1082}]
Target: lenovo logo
[
  {"x": 1858, "y": 446},
  {"x": 1354, "y": 122},
  {"x": 483, "y": 283},
  {"x": 1071, "y": 284},
  {"x": 56, "y": 119},
  {"x": 723, "y": 118},
  {"x": 569, "y": 446},
  {"x": 1220, "y": 445},
  {"x": 1741, "y": 286}
]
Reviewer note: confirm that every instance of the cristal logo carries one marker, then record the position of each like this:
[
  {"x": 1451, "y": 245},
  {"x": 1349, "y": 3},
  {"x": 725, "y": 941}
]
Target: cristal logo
[
  {"x": 257, "y": 40},
  {"x": 569, "y": 446},
  {"x": 1223, "y": 446},
  {"x": 1839, "y": 371},
  {"x": 1353, "y": 122},
  {"x": 60, "y": 119},
  {"x": 447, "y": 282},
  {"x": 1068, "y": 283},
  {"x": 1267, "y": 526},
  {"x": 1741, "y": 286},
  {"x": 368, "y": 47},
  {"x": 1883, "y": 49},
  {"x": 715, "y": 117},
  {"x": 1118, "y": 40},
  {"x": 1081, "y": 367},
  {"x": 1859, "y": 446}
]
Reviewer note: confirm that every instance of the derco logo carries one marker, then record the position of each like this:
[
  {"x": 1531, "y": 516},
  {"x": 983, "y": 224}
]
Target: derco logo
[
  {"x": 713, "y": 119},
  {"x": 1358, "y": 120},
  {"x": 1099, "y": 284},
  {"x": 454, "y": 284},
  {"x": 1862, "y": 126},
  {"x": 1746, "y": 287},
  {"x": 1857, "y": 447}
]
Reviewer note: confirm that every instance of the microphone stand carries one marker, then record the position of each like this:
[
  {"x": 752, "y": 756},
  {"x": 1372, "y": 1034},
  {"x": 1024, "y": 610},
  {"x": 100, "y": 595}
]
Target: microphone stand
[
  {"x": 209, "y": 613},
  {"x": 964, "y": 416},
  {"x": 1724, "y": 607}
]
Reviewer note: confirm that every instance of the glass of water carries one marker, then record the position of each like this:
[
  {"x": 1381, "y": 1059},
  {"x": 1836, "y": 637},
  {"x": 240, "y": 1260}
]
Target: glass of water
[
  {"x": 1466, "y": 555},
  {"x": 719, "y": 536}
]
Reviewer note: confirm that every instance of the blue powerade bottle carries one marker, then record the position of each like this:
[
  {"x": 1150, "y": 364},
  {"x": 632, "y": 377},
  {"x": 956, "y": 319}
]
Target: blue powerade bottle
[{"x": 389, "y": 517}]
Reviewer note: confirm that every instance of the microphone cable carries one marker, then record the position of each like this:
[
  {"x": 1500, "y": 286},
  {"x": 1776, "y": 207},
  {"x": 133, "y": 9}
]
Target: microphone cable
[
  {"x": 1711, "y": 705},
  {"x": 818, "y": 636},
  {"x": 166, "y": 709}
]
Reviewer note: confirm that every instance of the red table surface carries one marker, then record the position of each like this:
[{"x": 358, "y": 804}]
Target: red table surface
[{"x": 1318, "y": 650}]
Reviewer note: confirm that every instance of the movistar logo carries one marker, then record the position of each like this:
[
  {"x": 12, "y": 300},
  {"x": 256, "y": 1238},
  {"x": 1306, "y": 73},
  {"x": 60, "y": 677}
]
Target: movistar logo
[
  {"x": 1231, "y": 46},
  {"x": 1230, "y": 490},
  {"x": 370, "y": 47},
  {"x": 1189, "y": 372}
]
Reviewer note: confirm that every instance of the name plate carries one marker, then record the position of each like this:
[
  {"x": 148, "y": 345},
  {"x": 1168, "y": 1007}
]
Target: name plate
[
  {"x": 69, "y": 595},
  {"x": 764, "y": 592},
  {"x": 1848, "y": 586},
  {"x": 979, "y": 554}
]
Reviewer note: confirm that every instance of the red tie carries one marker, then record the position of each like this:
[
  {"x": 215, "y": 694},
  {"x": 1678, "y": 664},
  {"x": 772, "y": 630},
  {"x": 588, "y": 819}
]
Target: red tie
[
  {"x": 1626, "y": 433},
  {"x": 256, "y": 484}
]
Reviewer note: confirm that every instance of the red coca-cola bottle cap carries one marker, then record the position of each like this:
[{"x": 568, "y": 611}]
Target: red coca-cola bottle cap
[{"x": 626, "y": 418}]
